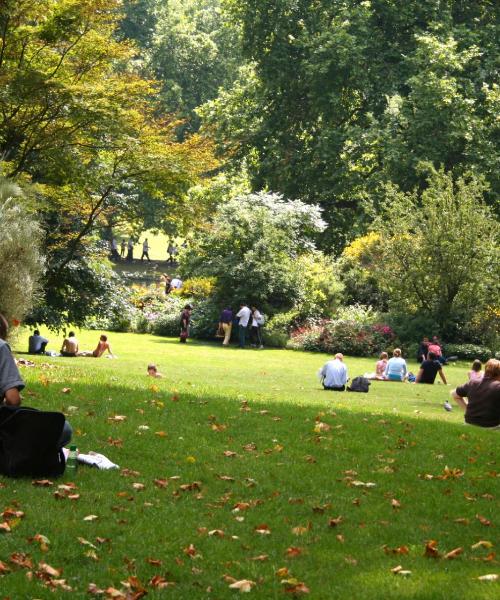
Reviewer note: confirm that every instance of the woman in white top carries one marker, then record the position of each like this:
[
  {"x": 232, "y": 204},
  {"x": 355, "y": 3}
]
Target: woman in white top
[
  {"x": 255, "y": 332},
  {"x": 396, "y": 369}
]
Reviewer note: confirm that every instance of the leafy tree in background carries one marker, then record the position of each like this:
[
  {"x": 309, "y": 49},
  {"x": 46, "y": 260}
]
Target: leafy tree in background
[
  {"x": 83, "y": 125},
  {"x": 440, "y": 252},
  {"x": 260, "y": 249},
  {"x": 350, "y": 95},
  {"x": 188, "y": 46}
]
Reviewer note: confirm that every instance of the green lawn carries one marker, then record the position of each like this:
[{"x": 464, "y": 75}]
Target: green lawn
[{"x": 287, "y": 503}]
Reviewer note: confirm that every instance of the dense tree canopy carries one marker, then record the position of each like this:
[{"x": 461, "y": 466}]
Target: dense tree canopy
[
  {"x": 83, "y": 124},
  {"x": 343, "y": 96}
]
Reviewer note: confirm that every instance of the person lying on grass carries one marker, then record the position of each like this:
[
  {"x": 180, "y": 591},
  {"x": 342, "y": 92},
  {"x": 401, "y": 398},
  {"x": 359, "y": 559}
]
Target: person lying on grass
[
  {"x": 153, "y": 372},
  {"x": 11, "y": 382},
  {"x": 482, "y": 406},
  {"x": 429, "y": 369},
  {"x": 102, "y": 347}
]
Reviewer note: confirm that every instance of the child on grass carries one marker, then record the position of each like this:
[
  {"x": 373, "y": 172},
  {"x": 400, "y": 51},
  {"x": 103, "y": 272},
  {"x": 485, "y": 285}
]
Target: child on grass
[
  {"x": 153, "y": 372},
  {"x": 475, "y": 374}
]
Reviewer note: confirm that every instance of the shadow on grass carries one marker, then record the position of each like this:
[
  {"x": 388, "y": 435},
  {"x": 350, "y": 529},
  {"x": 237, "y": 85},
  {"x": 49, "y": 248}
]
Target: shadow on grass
[{"x": 295, "y": 467}]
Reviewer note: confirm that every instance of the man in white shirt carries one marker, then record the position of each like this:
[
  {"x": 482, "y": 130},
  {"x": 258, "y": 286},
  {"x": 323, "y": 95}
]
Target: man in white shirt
[
  {"x": 244, "y": 317},
  {"x": 334, "y": 375},
  {"x": 145, "y": 250}
]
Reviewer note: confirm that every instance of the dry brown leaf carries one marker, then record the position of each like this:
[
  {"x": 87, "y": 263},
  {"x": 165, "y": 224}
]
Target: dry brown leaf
[
  {"x": 431, "y": 550},
  {"x": 282, "y": 572},
  {"x": 260, "y": 558},
  {"x": 160, "y": 582},
  {"x": 333, "y": 522},
  {"x": 216, "y": 533},
  {"x": 263, "y": 529},
  {"x": 160, "y": 483},
  {"x": 42, "y": 483},
  {"x": 48, "y": 570},
  {"x": 4, "y": 569},
  {"x": 395, "y": 503},
  {"x": 453, "y": 553},
  {"x": 90, "y": 518},
  {"x": 138, "y": 486},
  {"x": 293, "y": 551},
  {"x": 244, "y": 585},
  {"x": 229, "y": 453},
  {"x": 483, "y": 520}
]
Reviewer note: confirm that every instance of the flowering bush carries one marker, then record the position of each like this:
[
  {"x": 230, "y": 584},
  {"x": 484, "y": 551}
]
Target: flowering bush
[{"x": 347, "y": 336}]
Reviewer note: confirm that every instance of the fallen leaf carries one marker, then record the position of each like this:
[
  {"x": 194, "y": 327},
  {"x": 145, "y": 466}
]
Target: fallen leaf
[
  {"x": 482, "y": 544},
  {"x": 282, "y": 572},
  {"x": 217, "y": 533},
  {"x": 431, "y": 550},
  {"x": 21, "y": 560},
  {"x": 138, "y": 486},
  {"x": 42, "y": 483},
  {"x": 46, "y": 568},
  {"x": 453, "y": 553},
  {"x": 260, "y": 558},
  {"x": 398, "y": 550},
  {"x": 229, "y": 453},
  {"x": 300, "y": 530},
  {"x": 395, "y": 503},
  {"x": 225, "y": 478},
  {"x": 4, "y": 569},
  {"x": 160, "y": 582},
  {"x": 90, "y": 518},
  {"x": 262, "y": 529},
  {"x": 483, "y": 520},
  {"x": 489, "y": 577},
  {"x": 117, "y": 418},
  {"x": 244, "y": 585},
  {"x": 293, "y": 551},
  {"x": 66, "y": 390},
  {"x": 160, "y": 483},
  {"x": 333, "y": 522}
]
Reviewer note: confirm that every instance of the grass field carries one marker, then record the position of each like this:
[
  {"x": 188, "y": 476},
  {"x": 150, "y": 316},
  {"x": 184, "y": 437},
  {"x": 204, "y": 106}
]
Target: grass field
[{"x": 237, "y": 466}]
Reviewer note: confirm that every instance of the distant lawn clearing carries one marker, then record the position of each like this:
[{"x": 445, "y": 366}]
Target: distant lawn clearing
[{"x": 238, "y": 466}]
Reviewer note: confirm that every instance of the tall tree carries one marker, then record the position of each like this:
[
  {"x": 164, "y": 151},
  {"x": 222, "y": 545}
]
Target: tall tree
[
  {"x": 83, "y": 124},
  {"x": 350, "y": 95}
]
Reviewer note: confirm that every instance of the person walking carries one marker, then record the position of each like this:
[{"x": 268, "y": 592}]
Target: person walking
[
  {"x": 172, "y": 251},
  {"x": 130, "y": 250},
  {"x": 145, "y": 250},
  {"x": 185, "y": 322},
  {"x": 226, "y": 324},
  {"x": 243, "y": 315},
  {"x": 123, "y": 247}
]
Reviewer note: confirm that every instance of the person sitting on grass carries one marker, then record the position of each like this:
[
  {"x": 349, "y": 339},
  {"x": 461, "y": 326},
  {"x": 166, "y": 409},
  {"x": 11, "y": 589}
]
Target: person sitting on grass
[
  {"x": 11, "y": 382},
  {"x": 70, "y": 345},
  {"x": 37, "y": 343},
  {"x": 476, "y": 374},
  {"x": 396, "y": 369},
  {"x": 334, "y": 375},
  {"x": 480, "y": 400},
  {"x": 153, "y": 372},
  {"x": 429, "y": 369},
  {"x": 423, "y": 350},
  {"x": 102, "y": 347}
]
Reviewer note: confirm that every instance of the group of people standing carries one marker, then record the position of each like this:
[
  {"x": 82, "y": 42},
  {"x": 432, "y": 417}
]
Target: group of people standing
[
  {"x": 249, "y": 321},
  {"x": 125, "y": 250}
]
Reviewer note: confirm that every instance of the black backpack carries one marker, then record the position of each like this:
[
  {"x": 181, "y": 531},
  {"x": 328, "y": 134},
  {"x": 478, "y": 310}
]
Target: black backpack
[
  {"x": 29, "y": 442},
  {"x": 359, "y": 384}
]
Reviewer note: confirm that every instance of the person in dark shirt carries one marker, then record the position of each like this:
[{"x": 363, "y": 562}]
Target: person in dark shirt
[
  {"x": 226, "y": 324},
  {"x": 185, "y": 322},
  {"x": 482, "y": 406},
  {"x": 37, "y": 343},
  {"x": 423, "y": 349},
  {"x": 429, "y": 369}
]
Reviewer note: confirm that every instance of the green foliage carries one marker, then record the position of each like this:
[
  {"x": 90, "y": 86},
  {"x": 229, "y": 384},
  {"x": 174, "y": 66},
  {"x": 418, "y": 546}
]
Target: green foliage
[
  {"x": 469, "y": 351},
  {"x": 21, "y": 259},
  {"x": 253, "y": 247},
  {"x": 441, "y": 251},
  {"x": 311, "y": 121}
]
